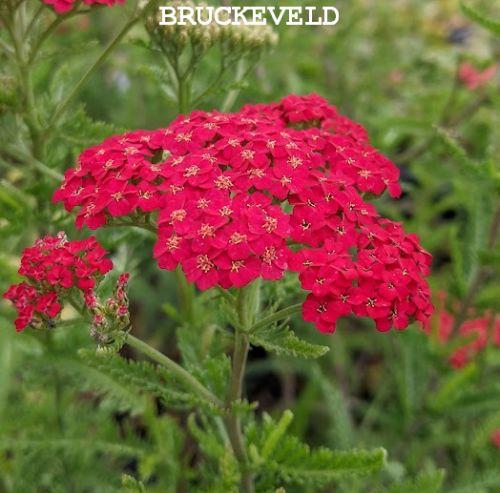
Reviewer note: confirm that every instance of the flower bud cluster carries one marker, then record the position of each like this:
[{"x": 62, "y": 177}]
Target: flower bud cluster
[
  {"x": 271, "y": 188},
  {"x": 56, "y": 268},
  {"x": 112, "y": 316},
  {"x": 204, "y": 35},
  {"x": 249, "y": 38}
]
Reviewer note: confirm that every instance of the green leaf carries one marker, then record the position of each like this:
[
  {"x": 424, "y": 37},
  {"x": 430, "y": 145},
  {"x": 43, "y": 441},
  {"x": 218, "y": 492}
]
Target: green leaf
[
  {"x": 341, "y": 425},
  {"x": 132, "y": 485},
  {"x": 466, "y": 164},
  {"x": 125, "y": 381},
  {"x": 489, "y": 479},
  {"x": 207, "y": 439},
  {"x": 73, "y": 446},
  {"x": 295, "y": 462},
  {"x": 286, "y": 459},
  {"x": 452, "y": 386},
  {"x": 491, "y": 25},
  {"x": 279, "y": 339},
  {"x": 276, "y": 434},
  {"x": 474, "y": 402},
  {"x": 215, "y": 374},
  {"x": 430, "y": 482},
  {"x": 490, "y": 258}
]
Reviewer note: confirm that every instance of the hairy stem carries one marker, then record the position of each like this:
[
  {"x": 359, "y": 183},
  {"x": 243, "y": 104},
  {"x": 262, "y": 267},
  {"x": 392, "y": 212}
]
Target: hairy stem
[
  {"x": 174, "y": 367},
  {"x": 184, "y": 94},
  {"x": 233, "y": 422},
  {"x": 16, "y": 27},
  {"x": 186, "y": 295},
  {"x": 248, "y": 303},
  {"x": 111, "y": 46},
  {"x": 275, "y": 317}
]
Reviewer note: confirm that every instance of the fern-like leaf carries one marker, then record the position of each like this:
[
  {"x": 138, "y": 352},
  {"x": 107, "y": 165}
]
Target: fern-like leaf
[
  {"x": 474, "y": 15},
  {"x": 287, "y": 459},
  {"x": 279, "y": 339},
  {"x": 119, "y": 375},
  {"x": 424, "y": 483}
]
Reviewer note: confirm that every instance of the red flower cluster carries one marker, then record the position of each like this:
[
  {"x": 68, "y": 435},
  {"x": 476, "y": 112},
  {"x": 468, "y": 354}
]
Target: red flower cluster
[
  {"x": 477, "y": 334},
  {"x": 62, "y": 6},
  {"x": 53, "y": 266},
  {"x": 473, "y": 78},
  {"x": 495, "y": 437},
  {"x": 239, "y": 195}
]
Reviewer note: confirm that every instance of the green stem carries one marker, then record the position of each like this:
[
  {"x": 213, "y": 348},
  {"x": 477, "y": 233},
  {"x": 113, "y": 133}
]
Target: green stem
[
  {"x": 248, "y": 304},
  {"x": 233, "y": 93},
  {"x": 175, "y": 368},
  {"x": 233, "y": 422},
  {"x": 6, "y": 48},
  {"x": 67, "y": 100},
  {"x": 184, "y": 94},
  {"x": 34, "y": 19},
  {"x": 24, "y": 155},
  {"x": 274, "y": 317},
  {"x": 47, "y": 33},
  {"x": 16, "y": 27},
  {"x": 186, "y": 295},
  {"x": 241, "y": 347}
]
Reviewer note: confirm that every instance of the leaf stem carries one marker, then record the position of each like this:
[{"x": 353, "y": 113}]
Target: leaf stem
[
  {"x": 67, "y": 100},
  {"x": 233, "y": 422},
  {"x": 274, "y": 317},
  {"x": 248, "y": 304},
  {"x": 186, "y": 295},
  {"x": 174, "y": 367}
]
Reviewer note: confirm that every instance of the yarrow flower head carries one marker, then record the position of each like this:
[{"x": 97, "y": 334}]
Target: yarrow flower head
[
  {"x": 471, "y": 338},
  {"x": 473, "y": 78},
  {"x": 269, "y": 189},
  {"x": 63, "y": 6},
  {"x": 55, "y": 267},
  {"x": 495, "y": 437}
]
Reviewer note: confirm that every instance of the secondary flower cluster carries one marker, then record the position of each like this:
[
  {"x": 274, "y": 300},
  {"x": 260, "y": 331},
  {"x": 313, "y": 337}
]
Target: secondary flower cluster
[
  {"x": 62, "y": 6},
  {"x": 270, "y": 188},
  {"x": 53, "y": 267},
  {"x": 473, "y": 78},
  {"x": 470, "y": 339},
  {"x": 495, "y": 437}
]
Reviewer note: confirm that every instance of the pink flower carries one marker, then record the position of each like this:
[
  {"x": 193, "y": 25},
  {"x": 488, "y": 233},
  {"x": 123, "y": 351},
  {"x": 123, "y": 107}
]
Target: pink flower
[
  {"x": 63, "y": 6},
  {"x": 52, "y": 267},
  {"x": 472, "y": 337},
  {"x": 495, "y": 437},
  {"x": 473, "y": 78}
]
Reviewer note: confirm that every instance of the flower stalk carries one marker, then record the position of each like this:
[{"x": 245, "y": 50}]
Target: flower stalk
[
  {"x": 276, "y": 316},
  {"x": 109, "y": 48},
  {"x": 173, "y": 367},
  {"x": 248, "y": 304}
]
